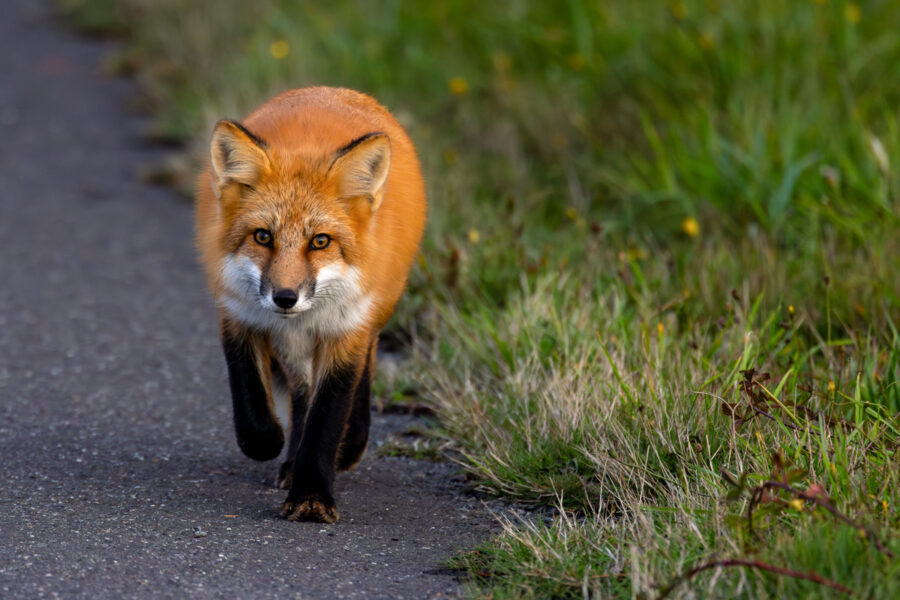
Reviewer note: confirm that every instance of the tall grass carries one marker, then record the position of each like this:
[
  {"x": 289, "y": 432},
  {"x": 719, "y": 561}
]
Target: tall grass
[
  {"x": 660, "y": 272},
  {"x": 646, "y": 432}
]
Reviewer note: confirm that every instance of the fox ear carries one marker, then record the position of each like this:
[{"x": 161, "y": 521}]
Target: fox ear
[
  {"x": 362, "y": 166},
  {"x": 237, "y": 155}
]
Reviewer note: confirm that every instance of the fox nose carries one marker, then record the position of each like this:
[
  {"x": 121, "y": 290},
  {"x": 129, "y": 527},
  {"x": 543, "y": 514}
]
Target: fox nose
[{"x": 285, "y": 298}]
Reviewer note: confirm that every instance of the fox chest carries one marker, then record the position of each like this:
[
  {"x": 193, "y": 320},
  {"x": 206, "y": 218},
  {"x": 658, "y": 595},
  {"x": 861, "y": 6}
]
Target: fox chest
[{"x": 295, "y": 350}]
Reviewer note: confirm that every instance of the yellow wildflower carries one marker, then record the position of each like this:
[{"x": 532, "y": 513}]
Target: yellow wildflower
[
  {"x": 690, "y": 226},
  {"x": 474, "y": 236},
  {"x": 279, "y": 49},
  {"x": 830, "y": 386},
  {"x": 796, "y": 504},
  {"x": 852, "y": 12},
  {"x": 458, "y": 85}
]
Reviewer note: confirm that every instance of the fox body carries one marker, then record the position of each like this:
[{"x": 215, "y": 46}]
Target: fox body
[{"x": 309, "y": 217}]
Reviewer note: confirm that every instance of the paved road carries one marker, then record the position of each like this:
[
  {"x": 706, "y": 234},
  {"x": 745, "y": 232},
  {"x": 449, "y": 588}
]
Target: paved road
[{"x": 119, "y": 473}]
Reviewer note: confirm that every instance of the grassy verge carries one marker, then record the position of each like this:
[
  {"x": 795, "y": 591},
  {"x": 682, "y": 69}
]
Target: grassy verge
[
  {"x": 659, "y": 286},
  {"x": 657, "y": 445}
]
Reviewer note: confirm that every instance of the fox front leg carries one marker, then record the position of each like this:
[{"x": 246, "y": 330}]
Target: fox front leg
[
  {"x": 298, "y": 420},
  {"x": 258, "y": 435},
  {"x": 355, "y": 439},
  {"x": 311, "y": 497}
]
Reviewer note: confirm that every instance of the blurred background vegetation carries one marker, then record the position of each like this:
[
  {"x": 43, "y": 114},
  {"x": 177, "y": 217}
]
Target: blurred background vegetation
[
  {"x": 660, "y": 127},
  {"x": 630, "y": 204}
]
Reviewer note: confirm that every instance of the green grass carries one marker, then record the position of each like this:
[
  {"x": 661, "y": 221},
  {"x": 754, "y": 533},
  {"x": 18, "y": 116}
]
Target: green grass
[
  {"x": 637, "y": 428},
  {"x": 660, "y": 269}
]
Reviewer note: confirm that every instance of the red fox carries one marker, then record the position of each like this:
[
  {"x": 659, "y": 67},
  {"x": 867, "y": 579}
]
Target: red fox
[{"x": 309, "y": 217}]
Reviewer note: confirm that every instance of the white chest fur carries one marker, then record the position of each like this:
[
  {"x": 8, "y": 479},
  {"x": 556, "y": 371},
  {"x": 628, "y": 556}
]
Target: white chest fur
[
  {"x": 338, "y": 306},
  {"x": 295, "y": 349}
]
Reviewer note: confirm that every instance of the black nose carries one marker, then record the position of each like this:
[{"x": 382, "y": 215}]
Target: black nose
[{"x": 285, "y": 298}]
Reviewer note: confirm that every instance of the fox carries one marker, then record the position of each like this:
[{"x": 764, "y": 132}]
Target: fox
[{"x": 309, "y": 216}]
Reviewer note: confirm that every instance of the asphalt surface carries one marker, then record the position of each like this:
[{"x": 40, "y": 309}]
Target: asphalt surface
[{"x": 119, "y": 473}]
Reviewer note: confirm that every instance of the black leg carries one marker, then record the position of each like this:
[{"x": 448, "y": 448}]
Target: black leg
[
  {"x": 312, "y": 490},
  {"x": 258, "y": 435},
  {"x": 356, "y": 435},
  {"x": 298, "y": 420}
]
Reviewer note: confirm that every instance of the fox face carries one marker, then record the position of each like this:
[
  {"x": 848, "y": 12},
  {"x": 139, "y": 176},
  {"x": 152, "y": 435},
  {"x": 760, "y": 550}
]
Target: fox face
[
  {"x": 295, "y": 238},
  {"x": 282, "y": 272}
]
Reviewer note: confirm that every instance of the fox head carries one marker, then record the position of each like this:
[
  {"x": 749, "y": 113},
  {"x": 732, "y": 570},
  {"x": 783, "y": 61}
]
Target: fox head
[{"x": 294, "y": 224}]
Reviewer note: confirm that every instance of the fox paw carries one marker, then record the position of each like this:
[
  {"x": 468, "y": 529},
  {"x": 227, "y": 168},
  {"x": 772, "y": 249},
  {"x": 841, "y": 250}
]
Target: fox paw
[{"x": 310, "y": 509}]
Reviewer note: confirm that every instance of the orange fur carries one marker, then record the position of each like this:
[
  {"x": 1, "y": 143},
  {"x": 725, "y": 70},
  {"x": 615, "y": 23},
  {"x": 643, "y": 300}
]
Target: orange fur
[{"x": 302, "y": 131}]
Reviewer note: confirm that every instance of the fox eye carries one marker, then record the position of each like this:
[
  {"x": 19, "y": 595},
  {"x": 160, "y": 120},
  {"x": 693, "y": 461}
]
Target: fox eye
[
  {"x": 320, "y": 242},
  {"x": 263, "y": 237}
]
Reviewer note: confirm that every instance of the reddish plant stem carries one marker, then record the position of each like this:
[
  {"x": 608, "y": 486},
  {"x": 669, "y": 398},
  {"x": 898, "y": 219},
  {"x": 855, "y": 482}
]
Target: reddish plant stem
[
  {"x": 753, "y": 564},
  {"x": 865, "y": 531}
]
